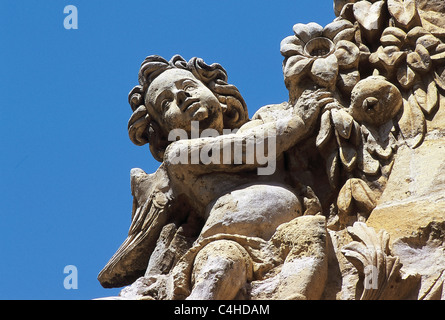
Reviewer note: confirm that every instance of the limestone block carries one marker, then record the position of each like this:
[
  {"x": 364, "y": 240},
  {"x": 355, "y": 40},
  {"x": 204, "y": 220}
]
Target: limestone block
[
  {"x": 414, "y": 195},
  {"x": 412, "y": 211},
  {"x": 303, "y": 274}
]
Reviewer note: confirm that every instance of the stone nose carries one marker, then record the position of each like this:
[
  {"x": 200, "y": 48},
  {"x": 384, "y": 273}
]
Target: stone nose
[{"x": 181, "y": 96}]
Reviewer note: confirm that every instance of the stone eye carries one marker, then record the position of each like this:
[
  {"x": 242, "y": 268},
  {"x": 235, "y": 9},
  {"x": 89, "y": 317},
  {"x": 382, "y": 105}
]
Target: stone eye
[
  {"x": 165, "y": 104},
  {"x": 188, "y": 86}
]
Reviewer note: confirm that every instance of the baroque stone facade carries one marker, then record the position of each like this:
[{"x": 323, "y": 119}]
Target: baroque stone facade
[{"x": 337, "y": 193}]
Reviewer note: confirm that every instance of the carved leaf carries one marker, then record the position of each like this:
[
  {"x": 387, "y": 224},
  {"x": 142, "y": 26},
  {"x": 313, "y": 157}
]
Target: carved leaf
[
  {"x": 358, "y": 254},
  {"x": 419, "y": 60},
  {"x": 369, "y": 15},
  {"x": 414, "y": 34},
  {"x": 404, "y": 11},
  {"x": 363, "y": 196},
  {"x": 406, "y": 76},
  {"x": 344, "y": 199},
  {"x": 343, "y": 122},
  {"x": 393, "y": 37},
  {"x": 360, "y": 232},
  {"x": 397, "y": 33},
  {"x": 391, "y": 56},
  {"x": 384, "y": 153},
  {"x": 390, "y": 40},
  {"x": 348, "y": 155},
  {"x": 439, "y": 53},
  {"x": 439, "y": 57},
  {"x": 412, "y": 122},
  {"x": 356, "y": 191},
  {"x": 326, "y": 130},
  {"x": 339, "y": 5},
  {"x": 333, "y": 169},
  {"x": 366, "y": 163},
  {"x": 378, "y": 140},
  {"x": 370, "y": 255},
  {"x": 347, "y": 34},
  {"x": 427, "y": 95},
  {"x": 356, "y": 134},
  {"x": 347, "y": 81},
  {"x": 428, "y": 41}
]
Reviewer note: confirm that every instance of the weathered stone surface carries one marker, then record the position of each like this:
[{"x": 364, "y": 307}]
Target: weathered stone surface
[
  {"x": 337, "y": 193},
  {"x": 414, "y": 195}
]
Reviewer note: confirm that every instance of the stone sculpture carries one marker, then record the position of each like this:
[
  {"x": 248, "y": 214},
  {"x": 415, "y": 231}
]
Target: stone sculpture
[{"x": 336, "y": 193}]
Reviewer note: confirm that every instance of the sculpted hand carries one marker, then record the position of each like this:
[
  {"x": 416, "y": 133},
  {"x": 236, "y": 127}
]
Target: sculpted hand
[{"x": 310, "y": 104}]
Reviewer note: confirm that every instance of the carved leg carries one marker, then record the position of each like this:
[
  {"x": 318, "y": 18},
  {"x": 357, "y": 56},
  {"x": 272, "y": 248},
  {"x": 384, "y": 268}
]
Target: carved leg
[{"x": 220, "y": 271}]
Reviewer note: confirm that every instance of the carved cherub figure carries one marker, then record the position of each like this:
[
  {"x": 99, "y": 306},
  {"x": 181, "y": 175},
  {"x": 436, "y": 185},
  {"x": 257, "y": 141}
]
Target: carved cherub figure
[{"x": 223, "y": 203}]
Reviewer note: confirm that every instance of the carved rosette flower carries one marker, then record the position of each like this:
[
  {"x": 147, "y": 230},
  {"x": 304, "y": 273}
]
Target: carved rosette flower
[{"x": 325, "y": 56}]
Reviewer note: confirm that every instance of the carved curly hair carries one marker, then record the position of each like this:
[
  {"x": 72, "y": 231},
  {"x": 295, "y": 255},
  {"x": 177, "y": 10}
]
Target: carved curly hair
[{"x": 143, "y": 129}]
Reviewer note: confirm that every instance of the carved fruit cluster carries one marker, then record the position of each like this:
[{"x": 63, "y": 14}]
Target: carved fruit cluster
[{"x": 384, "y": 61}]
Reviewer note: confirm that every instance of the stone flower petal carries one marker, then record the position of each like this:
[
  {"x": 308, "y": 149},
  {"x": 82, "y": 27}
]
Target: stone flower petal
[
  {"x": 390, "y": 40},
  {"x": 428, "y": 41},
  {"x": 415, "y": 34},
  {"x": 291, "y": 46},
  {"x": 324, "y": 71},
  {"x": 393, "y": 36},
  {"x": 365, "y": 53},
  {"x": 334, "y": 28},
  {"x": 296, "y": 67},
  {"x": 419, "y": 60},
  {"x": 439, "y": 53},
  {"x": 348, "y": 54},
  {"x": 347, "y": 34},
  {"x": 396, "y": 32},
  {"x": 306, "y": 32},
  {"x": 440, "y": 57}
]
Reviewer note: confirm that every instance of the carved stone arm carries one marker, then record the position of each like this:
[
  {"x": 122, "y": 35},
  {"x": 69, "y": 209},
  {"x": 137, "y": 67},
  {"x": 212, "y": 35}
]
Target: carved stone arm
[{"x": 254, "y": 146}]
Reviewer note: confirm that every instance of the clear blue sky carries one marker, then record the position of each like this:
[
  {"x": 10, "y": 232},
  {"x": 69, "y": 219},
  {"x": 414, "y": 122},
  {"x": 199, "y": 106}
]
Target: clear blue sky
[{"x": 65, "y": 154}]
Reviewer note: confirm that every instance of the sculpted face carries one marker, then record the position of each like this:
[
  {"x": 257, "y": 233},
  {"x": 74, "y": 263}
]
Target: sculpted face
[{"x": 176, "y": 98}]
